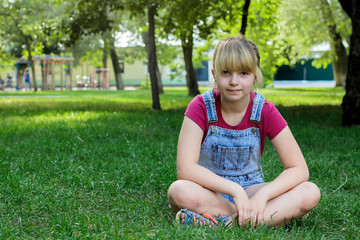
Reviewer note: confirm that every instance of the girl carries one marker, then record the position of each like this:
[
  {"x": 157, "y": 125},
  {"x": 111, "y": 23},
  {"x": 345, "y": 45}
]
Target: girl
[{"x": 220, "y": 143}]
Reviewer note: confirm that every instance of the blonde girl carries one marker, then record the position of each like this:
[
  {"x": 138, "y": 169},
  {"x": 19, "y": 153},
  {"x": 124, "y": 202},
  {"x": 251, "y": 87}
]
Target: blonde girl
[{"x": 220, "y": 145}]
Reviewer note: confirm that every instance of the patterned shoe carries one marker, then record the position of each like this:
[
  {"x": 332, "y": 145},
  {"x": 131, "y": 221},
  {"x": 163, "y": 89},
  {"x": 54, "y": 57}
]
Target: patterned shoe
[{"x": 193, "y": 218}]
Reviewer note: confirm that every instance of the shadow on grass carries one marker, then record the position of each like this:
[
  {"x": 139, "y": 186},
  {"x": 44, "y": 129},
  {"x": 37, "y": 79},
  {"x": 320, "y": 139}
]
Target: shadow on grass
[
  {"x": 309, "y": 90},
  {"x": 325, "y": 115}
]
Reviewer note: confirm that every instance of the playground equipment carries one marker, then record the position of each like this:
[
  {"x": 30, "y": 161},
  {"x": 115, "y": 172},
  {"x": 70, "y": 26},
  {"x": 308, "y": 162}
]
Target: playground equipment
[
  {"x": 62, "y": 66},
  {"x": 92, "y": 78},
  {"x": 47, "y": 64},
  {"x": 21, "y": 65},
  {"x": 103, "y": 75},
  {"x": 88, "y": 79}
]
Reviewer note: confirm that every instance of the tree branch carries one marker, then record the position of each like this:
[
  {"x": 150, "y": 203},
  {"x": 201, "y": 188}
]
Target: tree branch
[{"x": 245, "y": 16}]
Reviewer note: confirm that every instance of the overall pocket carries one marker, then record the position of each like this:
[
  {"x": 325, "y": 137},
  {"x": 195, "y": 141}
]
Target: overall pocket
[{"x": 231, "y": 158}]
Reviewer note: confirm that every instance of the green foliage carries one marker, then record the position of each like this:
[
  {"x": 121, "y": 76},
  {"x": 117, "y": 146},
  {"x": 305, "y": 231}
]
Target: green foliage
[
  {"x": 89, "y": 18},
  {"x": 167, "y": 54},
  {"x": 200, "y": 18},
  {"x": 132, "y": 54},
  {"x": 93, "y": 57},
  {"x": 302, "y": 26},
  {"x": 285, "y": 31},
  {"x": 202, "y": 53},
  {"x": 31, "y": 19},
  {"x": 87, "y": 49},
  {"x": 97, "y": 164},
  {"x": 6, "y": 60},
  {"x": 323, "y": 61},
  {"x": 37, "y": 49}
]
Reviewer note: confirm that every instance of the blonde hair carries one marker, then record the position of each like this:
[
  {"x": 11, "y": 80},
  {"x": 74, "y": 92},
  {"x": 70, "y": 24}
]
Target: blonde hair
[{"x": 237, "y": 54}]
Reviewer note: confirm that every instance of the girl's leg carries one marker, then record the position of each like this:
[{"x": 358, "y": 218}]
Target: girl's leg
[
  {"x": 189, "y": 195},
  {"x": 282, "y": 209},
  {"x": 292, "y": 204}
]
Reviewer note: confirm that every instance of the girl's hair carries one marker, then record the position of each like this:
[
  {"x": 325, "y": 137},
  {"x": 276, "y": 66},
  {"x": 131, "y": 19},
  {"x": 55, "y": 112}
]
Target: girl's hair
[{"x": 237, "y": 54}]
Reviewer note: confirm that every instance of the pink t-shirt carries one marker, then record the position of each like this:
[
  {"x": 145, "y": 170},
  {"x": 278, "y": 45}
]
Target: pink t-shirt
[{"x": 272, "y": 123}]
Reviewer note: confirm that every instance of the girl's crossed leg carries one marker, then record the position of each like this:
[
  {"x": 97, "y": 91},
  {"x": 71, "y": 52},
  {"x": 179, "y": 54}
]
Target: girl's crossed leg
[{"x": 280, "y": 210}]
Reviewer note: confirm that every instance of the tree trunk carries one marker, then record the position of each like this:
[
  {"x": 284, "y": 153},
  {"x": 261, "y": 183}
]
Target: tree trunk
[
  {"x": 351, "y": 100},
  {"x": 106, "y": 36},
  {"x": 145, "y": 37},
  {"x": 44, "y": 84},
  {"x": 115, "y": 62},
  {"x": 32, "y": 66},
  {"x": 104, "y": 84},
  {"x": 152, "y": 60},
  {"x": 340, "y": 62},
  {"x": 339, "y": 55},
  {"x": 191, "y": 79},
  {"x": 105, "y": 57},
  {"x": 158, "y": 76},
  {"x": 245, "y": 16}
]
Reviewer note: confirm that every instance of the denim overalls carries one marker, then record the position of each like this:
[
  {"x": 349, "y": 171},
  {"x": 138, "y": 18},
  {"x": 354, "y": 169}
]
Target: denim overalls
[{"x": 233, "y": 154}]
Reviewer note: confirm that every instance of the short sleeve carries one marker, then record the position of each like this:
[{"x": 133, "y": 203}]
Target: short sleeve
[
  {"x": 274, "y": 122},
  {"x": 196, "y": 111}
]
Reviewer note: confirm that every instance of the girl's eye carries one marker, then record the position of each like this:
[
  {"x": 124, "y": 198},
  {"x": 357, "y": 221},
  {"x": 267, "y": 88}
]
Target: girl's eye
[
  {"x": 225, "y": 72},
  {"x": 244, "y": 73}
]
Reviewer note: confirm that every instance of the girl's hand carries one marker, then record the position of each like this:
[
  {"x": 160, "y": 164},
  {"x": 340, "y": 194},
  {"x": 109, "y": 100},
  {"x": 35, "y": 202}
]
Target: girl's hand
[
  {"x": 258, "y": 201},
  {"x": 244, "y": 209}
]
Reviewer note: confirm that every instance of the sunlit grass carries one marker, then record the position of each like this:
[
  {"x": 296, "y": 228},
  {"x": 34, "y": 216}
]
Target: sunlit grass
[
  {"x": 97, "y": 164},
  {"x": 141, "y": 99}
]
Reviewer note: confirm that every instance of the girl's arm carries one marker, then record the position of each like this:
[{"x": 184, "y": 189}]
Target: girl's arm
[
  {"x": 295, "y": 169},
  {"x": 188, "y": 153}
]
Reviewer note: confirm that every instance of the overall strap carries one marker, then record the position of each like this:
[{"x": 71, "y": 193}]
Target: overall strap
[
  {"x": 209, "y": 100},
  {"x": 258, "y": 104}
]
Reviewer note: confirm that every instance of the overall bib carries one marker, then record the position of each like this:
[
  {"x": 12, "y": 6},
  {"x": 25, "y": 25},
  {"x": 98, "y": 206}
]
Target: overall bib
[{"x": 233, "y": 154}]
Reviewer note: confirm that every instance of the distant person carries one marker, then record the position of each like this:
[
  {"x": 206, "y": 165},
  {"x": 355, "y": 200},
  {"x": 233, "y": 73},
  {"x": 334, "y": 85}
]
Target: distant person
[
  {"x": 9, "y": 80},
  {"x": 220, "y": 144},
  {"x": 27, "y": 79},
  {"x": 1, "y": 83}
]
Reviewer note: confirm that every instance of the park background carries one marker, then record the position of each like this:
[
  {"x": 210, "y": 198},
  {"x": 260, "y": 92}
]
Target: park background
[
  {"x": 90, "y": 44},
  {"x": 95, "y": 163}
]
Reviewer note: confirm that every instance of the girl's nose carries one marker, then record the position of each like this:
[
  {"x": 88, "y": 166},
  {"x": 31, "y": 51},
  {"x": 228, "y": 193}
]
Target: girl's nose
[{"x": 234, "y": 79}]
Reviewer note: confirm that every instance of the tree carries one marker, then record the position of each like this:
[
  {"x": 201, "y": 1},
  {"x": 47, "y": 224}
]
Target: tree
[
  {"x": 199, "y": 22},
  {"x": 151, "y": 9},
  {"x": 305, "y": 24},
  {"x": 339, "y": 55},
  {"x": 6, "y": 60},
  {"x": 245, "y": 14},
  {"x": 96, "y": 17},
  {"x": 109, "y": 46},
  {"x": 351, "y": 100},
  {"x": 136, "y": 22},
  {"x": 145, "y": 36},
  {"x": 28, "y": 23}
]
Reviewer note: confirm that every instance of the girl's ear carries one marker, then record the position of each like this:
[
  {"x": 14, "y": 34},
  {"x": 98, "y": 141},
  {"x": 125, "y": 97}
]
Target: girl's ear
[{"x": 214, "y": 83}]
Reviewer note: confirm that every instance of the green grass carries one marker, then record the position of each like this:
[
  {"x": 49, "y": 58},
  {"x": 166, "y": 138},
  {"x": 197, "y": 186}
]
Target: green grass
[{"x": 97, "y": 164}]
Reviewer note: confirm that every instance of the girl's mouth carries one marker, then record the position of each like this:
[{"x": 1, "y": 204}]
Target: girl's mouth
[{"x": 233, "y": 91}]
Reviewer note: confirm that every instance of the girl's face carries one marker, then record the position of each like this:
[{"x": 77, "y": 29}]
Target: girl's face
[{"x": 234, "y": 85}]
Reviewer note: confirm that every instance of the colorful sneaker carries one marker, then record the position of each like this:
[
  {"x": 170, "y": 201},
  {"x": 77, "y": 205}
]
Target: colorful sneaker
[{"x": 193, "y": 218}]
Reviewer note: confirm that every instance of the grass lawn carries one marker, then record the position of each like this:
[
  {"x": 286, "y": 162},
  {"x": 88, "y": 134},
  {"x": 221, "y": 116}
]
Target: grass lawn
[{"x": 97, "y": 164}]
